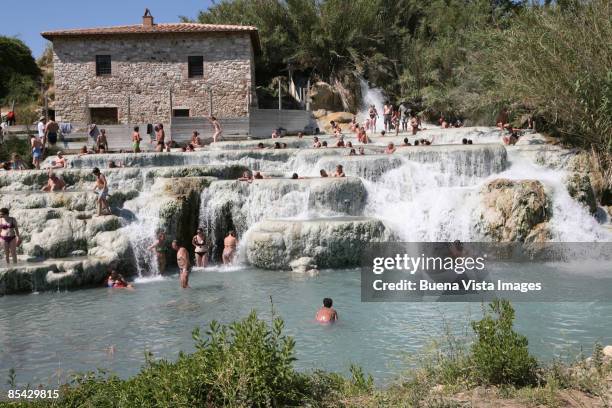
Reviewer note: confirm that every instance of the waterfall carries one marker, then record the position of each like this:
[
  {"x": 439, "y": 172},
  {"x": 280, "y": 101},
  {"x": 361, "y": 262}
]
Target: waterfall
[
  {"x": 142, "y": 229},
  {"x": 441, "y": 201},
  {"x": 370, "y": 96}
]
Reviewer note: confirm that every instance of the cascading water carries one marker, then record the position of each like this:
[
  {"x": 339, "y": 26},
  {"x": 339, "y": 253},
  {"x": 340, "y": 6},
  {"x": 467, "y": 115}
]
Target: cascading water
[
  {"x": 442, "y": 202},
  {"x": 141, "y": 231},
  {"x": 370, "y": 96}
]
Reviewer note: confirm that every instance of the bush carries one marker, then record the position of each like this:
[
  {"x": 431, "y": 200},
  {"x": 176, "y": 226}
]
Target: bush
[
  {"x": 245, "y": 364},
  {"x": 500, "y": 355}
]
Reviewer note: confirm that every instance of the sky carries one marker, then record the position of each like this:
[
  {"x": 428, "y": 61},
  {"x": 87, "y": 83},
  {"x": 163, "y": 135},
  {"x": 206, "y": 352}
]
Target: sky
[{"x": 26, "y": 19}]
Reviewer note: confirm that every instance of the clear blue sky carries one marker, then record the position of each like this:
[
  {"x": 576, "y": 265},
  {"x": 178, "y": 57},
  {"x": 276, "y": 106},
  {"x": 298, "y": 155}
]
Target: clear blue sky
[{"x": 26, "y": 19}]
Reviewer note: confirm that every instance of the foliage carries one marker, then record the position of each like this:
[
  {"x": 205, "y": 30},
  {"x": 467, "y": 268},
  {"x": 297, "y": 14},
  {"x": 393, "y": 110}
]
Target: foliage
[
  {"x": 557, "y": 61},
  {"x": 499, "y": 354},
  {"x": 18, "y": 71}
]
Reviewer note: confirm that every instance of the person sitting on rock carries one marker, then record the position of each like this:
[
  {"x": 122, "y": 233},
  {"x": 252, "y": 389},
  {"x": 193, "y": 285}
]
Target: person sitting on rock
[
  {"x": 324, "y": 143},
  {"x": 316, "y": 142},
  {"x": 229, "y": 247},
  {"x": 340, "y": 142},
  {"x": 54, "y": 183},
  {"x": 464, "y": 141},
  {"x": 17, "y": 162},
  {"x": 275, "y": 134},
  {"x": 195, "y": 139},
  {"x": 327, "y": 314},
  {"x": 339, "y": 171},
  {"x": 59, "y": 162},
  {"x": 390, "y": 149},
  {"x": 323, "y": 173},
  {"x": 512, "y": 139},
  {"x": 246, "y": 176},
  {"x": 277, "y": 145}
]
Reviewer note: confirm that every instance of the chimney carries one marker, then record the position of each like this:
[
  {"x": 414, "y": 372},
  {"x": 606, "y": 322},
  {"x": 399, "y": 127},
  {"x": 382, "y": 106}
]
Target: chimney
[{"x": 147, "y": 19}]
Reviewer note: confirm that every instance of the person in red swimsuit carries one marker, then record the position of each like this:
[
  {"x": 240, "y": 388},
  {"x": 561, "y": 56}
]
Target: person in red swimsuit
[{"x": 9, "y": 235}]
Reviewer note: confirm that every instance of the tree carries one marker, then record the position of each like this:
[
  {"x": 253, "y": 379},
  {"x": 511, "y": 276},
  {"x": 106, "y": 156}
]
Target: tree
[{"x": 18, "y": 71}]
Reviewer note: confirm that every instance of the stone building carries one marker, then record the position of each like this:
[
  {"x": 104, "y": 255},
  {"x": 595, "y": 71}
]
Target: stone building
[{"x": 147, "y": 72}]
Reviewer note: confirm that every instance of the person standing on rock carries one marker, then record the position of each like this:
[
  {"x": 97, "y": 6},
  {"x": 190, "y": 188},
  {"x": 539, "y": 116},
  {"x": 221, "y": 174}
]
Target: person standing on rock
[
  {"x": 229, "y": 247},
  {"x": 387, "y": 112},
  {"x": 182, "y": 260},
  {"x": 373, "y": 115},
  {"x": 160, "y": 137},
  {"x": 136, "y": 139},
  {"x": 101, "y": 189},
  {"x": 9, "y": 235},
  {"x": 51, "y": 129},
  {"x": 200, "y": 248},
  {"x": 37, "y": 148},
  {"x": 217, "y": 128}
]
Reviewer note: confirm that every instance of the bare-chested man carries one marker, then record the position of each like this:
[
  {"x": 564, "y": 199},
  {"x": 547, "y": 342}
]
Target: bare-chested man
[
  {"x": 160, "y": 137},
  {"x": 182, "y": 260},
  {"x": 102, "y": 190},
  {"x": 339, "y": 171},
  {"x": 327, "y": 314},
  {"x": 54, "y": 183},
  {"x": 217, "y": 128},
  {"x": 229, "y": 247}
]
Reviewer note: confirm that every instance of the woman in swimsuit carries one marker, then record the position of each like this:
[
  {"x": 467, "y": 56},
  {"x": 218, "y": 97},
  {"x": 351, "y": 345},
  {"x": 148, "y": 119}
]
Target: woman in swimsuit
[
  {"x": 9, "y": 234},
  {"x": 201, "y": 249},
  {"x": 136, "y": 140},
  {"x": 160, "y": 248}
]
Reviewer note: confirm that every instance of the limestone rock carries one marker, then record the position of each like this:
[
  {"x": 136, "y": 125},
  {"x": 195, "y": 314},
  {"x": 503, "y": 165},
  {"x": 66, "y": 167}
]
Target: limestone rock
[
  {"x": 331, "y": 243},
  {"x": 324, "y": 96},
  {"x": 512, "y": 210},
  {"x": 579, "y": 187},
  {"x": 303, "y": 265}
]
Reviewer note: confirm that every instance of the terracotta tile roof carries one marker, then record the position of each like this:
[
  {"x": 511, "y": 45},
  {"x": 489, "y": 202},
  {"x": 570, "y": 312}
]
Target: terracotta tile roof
[{"x": 173, "y": 28}]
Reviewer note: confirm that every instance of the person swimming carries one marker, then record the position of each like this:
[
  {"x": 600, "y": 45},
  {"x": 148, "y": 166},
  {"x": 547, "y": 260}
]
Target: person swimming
[
  {"x": 116, "y": 281},
  {"x": 327, "y": 314}
]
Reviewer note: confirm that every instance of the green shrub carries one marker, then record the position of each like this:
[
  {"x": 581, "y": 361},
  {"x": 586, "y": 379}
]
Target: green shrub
[
  {"x": 245, "y": 364},
  {"x": 500, "y": 355}
]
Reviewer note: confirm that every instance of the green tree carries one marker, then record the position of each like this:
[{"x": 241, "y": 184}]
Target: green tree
[{"x": 19, "y": 72}]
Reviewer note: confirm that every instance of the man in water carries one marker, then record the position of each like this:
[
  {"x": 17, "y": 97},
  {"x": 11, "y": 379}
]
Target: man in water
[
  {"x": 327, "y": 314},
  {"x": 339, "y": 171},
  {"x": 160, "y": 248},
  {"x": 102, "y": 190},
  {"x": 390, "y": 148},
  {"x": 387, "y": 112},
  {"x": 182, "y": 260},
  {"x": 229, "y": 247}
]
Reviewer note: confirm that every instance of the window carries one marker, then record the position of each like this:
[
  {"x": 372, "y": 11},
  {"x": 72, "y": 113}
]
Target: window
[
  {"x": 103, "y": 65},
  {"x": 196, "y": 66},
  {"x": 180, "y": 113},
  {"x": 104, "y": 116}
]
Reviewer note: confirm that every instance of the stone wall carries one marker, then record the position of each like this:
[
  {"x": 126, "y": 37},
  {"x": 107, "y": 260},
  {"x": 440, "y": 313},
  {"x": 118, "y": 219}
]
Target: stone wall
[{"x": 144, "y": 71}]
